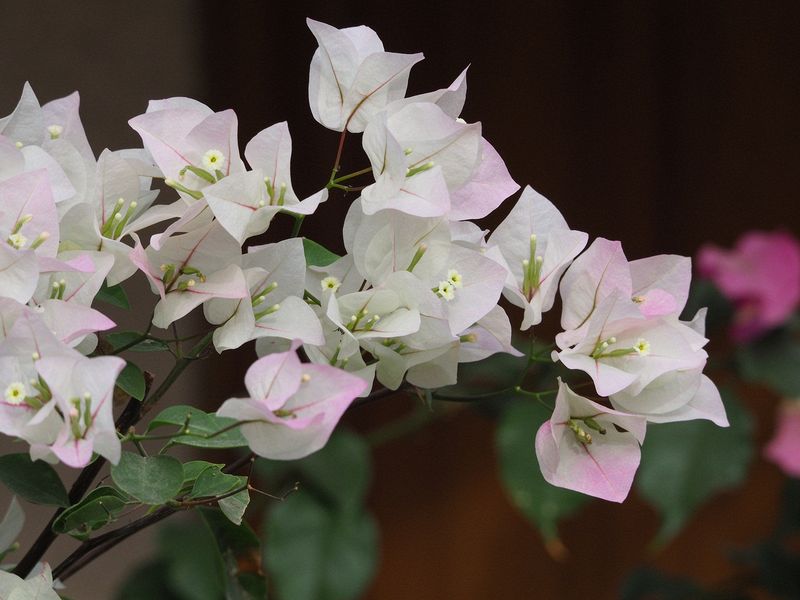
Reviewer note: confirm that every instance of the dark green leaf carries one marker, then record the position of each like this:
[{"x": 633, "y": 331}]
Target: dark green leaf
[
  {"x": 196, "y": 570},
  {"x": 99, "y": 508},
  {"x": 240, "y": 550},
  {"x": 543, "y": 504},
  {"x": 149, "y": 582},
  {"x": 131, "y": 381},
  {"x": 684, "y": 464},
  {"x": 316, "y": 553},
  {"x": 649, "y": 583},
  {"x": 774, "y": 360},
  {"x": 704, "y": 294},
  {"x": 150, "y": 479},
  {"x": 200, "y": 424},
  {"x": 213, "y": 482},
  {"x": 124, "y": 338},
  {"x": 37, "y": 481},
  {"x": 340, "y": 471},
  {"x": 114, "y": 295},
  {"x": 317, "y": 255}
]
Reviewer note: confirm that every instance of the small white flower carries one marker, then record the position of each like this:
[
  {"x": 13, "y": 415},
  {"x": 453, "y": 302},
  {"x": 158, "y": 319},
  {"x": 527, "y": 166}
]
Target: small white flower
[
  {"x": 330, "y": 283},
  {"x": 213, "y": 160},
  {"x": 445, "y": 290},
  {"x": 55, "y": 131},
  {"x": 15, "y": 393},
  {"x": 454, "y": 277},
  {"x": 642, "y": 347}
]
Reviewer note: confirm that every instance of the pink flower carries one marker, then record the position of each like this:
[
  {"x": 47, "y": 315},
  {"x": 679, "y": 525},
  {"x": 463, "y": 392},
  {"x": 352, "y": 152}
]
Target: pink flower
[
  {"x": 761, "y": 276},
  {"x": 292, "y": 407},
  {"x": 784, "y": 448},
  {"x": 589, "y": 448}
]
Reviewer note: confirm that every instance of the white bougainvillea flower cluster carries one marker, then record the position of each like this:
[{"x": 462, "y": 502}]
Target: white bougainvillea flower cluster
[
  {"x": 416, "y": 293},
  {"x": 622, "y": 328}
]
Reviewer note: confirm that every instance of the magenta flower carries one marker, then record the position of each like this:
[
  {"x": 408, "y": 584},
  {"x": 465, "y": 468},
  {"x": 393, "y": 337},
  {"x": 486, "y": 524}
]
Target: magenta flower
[
  {"x": 784, "y": 448},
  {"x": 761, "y": 276}
]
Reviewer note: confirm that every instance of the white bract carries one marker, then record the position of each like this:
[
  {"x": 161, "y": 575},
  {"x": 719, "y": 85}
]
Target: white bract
[{"x": 416, "y": 293}]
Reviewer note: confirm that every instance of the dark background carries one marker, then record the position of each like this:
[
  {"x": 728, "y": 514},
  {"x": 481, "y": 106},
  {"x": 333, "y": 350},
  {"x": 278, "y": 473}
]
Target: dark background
[{"x": 659, "y": 123}]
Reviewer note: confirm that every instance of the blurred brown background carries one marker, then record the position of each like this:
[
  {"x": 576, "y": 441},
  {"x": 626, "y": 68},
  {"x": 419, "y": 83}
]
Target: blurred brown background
[{"x": 659, "y": 123}]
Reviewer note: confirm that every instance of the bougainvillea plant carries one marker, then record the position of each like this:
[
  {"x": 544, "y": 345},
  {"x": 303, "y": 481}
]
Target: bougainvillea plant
[{"x": 420, "y": 290}]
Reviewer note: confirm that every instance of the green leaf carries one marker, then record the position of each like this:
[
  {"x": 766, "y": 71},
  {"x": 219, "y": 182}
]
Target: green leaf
[
  {"x": 187, "y": 566},
  {"x": 645, "y": 582},
  {"x": 543, "y": 504},
  {"x": 11, "y": 526},
  {"x": 314, "y": 552},
  {"x": 37, "y": 481},
  {"x": 704, "y": 294},
  {"x": 234, "y": 506},
  {"x": 317, "y": 255},
  {"x": 99, "y": 508},
  {"x": 193, "y": 468},
  {"x": 131, "y": 381},
  {"x": 773, "y": 361},
  {"x": 340, "y": 471},
  {"x": 684, "y": 464},
  {"x": 121, "y": 339},
  {"x": 213, "y": 482},
  {"x": 114, "y": 295},
  {"x": 148, "y": 582},
  {"x": 195, "y": 568},
  {"x": 150, "y": 479},
  {"x": 240, "y": 550},
  {"x": 200, "y": 424}
]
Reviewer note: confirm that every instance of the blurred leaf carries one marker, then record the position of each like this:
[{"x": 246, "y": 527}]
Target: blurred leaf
[
  {"x": 684, "y": 464},
  {"x": 318, "y": 255},
  {"x": 649, "y": 584},
  {"x": 99, "y": 508},
  {"x": 315, "y": 552},
  {"x": 148, "y": 582},
  {"x": 150, "y": 479},
  {"x": 11, "y": 526},
  {"x": 36, "y": 481},
  {"x": 703, "y": 293},
  {"x": 234, "y": 506},
  {"x": 195, "y": 568},
  {"x": 543, "y": 504},
  {"x": 114, "y": 295},
  {"x": 199, "y": 423},
  {"x": 773, "y": 360},
  {"x": 493, "y": 374},
  {"x": 340, "y": 471},
  {"x": 123, "y": 338},
  {"x": 241, "y": 555},
  {"x": 131, "y": 381}
]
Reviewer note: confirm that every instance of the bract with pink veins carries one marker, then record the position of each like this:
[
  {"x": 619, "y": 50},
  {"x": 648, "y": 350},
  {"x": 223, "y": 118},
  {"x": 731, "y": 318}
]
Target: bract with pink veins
[
  {"x": 581, "y": 449},
  {"x": 294, "y": 407}
]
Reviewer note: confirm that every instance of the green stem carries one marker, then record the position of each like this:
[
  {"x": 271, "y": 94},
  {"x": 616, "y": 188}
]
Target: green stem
[
  {"x": 350, "y": 176},
  {"x": 298, "y": 222},
  {"x": 177, "y": 370},
  {"x": 402, "y": 427}
]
